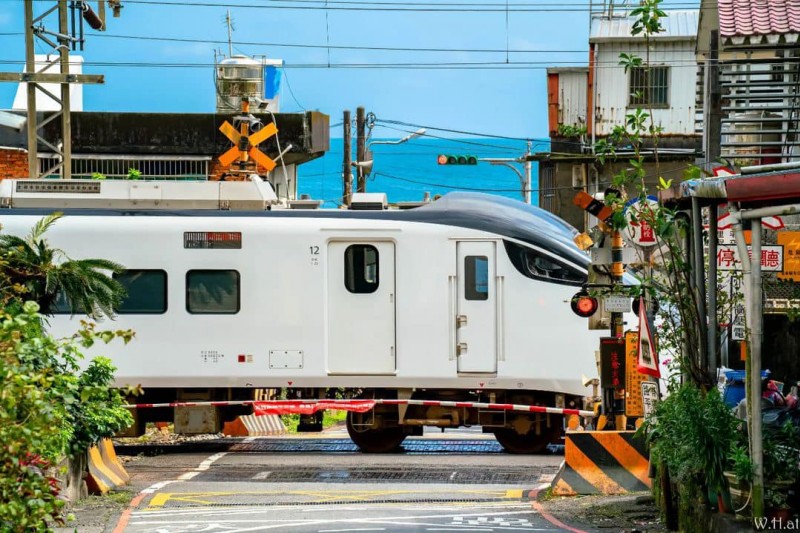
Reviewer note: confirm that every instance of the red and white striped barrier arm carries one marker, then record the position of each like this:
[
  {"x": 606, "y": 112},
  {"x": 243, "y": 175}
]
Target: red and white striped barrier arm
[{"x": 282, "y": 407}]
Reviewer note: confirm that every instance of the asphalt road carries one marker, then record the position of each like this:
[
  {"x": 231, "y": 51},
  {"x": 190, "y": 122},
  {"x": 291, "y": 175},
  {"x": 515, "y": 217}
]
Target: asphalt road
[{"x": 436, "y": 484}]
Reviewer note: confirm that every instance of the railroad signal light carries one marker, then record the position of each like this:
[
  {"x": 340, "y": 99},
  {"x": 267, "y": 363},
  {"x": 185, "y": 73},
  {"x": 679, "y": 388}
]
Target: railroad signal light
[
  {"x": 584, "y": 305},
  {"x": 445, "y": 159},
  {"x": 652, "y": 306}
]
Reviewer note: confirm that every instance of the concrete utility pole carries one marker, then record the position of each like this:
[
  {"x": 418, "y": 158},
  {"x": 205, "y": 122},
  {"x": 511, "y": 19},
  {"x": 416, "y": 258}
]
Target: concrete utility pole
[
  {"x": 64, "y": 41},
  {"x": 712, "y": 108},
  {"x": 347, "y": 178},
  {"x": 361, "y": 147}
]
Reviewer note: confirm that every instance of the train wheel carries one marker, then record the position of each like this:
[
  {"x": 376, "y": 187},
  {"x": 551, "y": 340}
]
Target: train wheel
[
  {"x": 371, "y": 440},
  {"x": 526, "y": 443}
]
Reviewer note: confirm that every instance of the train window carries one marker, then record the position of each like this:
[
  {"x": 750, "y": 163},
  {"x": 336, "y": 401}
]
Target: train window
[
  {"x": 361, "y": 268},
  {"x": 61, "y": 305},
  {"x": 146, "y": 292},
  {"x": 212, "y": 292},
  {"x": 537, "y": 265},
  {"x": 476, "y": 277}
]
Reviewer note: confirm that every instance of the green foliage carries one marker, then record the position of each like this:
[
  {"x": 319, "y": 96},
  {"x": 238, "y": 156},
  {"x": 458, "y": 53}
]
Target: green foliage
[
  {"x": 32, "y": 270},
  {"x": 48, "y": 409},
  {"x": 571, "y": 131},
  {"x": 98, "y": 176},
  {"x": 693, "y": 433},
  {"x": 741, "y": 464},
  {"x": 134, "y": 174}
]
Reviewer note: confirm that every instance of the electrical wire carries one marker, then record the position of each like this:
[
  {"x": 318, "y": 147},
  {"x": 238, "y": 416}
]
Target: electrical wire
[
  {"x": 391, "y": 7},
  {"x": 334, "y": 47},
  {"x": 462, "y": 141},
  {"x": 291, "y": 92},
  {"x": 463, "y": 132}
]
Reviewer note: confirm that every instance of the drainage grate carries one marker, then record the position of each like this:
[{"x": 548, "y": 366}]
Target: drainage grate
[{"x": 485, "y": 475}]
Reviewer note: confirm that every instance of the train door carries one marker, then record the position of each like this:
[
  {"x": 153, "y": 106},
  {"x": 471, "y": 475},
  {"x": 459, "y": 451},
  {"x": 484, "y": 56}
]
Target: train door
[
  {"x": 476, "y": 311},
  {"x": 361, "y": 308}
]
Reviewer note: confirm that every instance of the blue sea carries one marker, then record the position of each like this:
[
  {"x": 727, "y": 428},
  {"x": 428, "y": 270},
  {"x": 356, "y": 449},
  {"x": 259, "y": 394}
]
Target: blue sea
[{"x": 405, "y": 172}]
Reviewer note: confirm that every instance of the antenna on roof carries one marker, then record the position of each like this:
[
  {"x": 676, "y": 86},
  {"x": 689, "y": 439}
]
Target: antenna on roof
[{"x": 229, "y": 23}]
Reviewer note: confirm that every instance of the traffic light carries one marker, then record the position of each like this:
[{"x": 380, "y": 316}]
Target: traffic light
[
  {"x": 584, "y": 305},
  {"x": 445, "y": 159}
]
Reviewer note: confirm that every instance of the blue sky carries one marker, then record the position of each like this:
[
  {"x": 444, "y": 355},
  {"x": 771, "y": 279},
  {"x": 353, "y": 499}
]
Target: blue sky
[{"x": 505, "y": 101}]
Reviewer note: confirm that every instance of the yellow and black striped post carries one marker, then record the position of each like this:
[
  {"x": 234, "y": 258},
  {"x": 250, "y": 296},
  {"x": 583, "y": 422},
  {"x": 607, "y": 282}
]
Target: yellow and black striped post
[{"x": 603, "y": 462}]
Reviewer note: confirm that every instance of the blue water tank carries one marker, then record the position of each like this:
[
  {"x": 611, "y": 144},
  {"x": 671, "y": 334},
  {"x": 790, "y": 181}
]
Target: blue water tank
[{"x": 734, "y": 389}]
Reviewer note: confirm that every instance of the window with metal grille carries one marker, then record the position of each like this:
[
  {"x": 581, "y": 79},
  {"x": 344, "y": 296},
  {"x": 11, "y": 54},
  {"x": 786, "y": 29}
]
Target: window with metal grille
[{"x": 649, "y": 86}]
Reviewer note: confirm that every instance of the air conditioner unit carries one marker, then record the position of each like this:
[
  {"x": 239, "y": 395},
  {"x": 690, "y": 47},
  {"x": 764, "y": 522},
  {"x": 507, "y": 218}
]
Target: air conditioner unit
[
  {"x": 369, "y": 201},
  {"x": 579, "y": 176}
]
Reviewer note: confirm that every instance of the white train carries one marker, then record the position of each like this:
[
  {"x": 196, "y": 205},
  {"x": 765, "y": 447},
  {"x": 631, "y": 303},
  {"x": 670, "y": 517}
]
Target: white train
[{"x": 465, "y": 298}]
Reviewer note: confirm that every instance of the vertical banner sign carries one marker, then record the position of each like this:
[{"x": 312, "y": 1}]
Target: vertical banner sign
[
  {"x": 612, "y": 363},
  {"x": 648, "y": 358},
  {"x": 738, "y": 322},
  {"x": 633, "y": 378},
  {"x": 649, "y": 398}
]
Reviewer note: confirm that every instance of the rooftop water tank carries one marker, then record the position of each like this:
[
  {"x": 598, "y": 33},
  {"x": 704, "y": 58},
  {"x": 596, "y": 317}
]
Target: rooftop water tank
[{"x": 237, "y": 77}]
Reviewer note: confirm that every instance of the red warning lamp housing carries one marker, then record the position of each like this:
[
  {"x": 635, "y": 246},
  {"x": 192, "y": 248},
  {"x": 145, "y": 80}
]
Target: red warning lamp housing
[{"x": 584, "y": 305}]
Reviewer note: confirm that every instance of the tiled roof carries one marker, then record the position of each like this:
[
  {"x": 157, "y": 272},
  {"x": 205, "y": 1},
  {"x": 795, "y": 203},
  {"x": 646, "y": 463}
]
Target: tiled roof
[
  {"x": 749, "y": 18},
  {"x": 678, "y": 25}
]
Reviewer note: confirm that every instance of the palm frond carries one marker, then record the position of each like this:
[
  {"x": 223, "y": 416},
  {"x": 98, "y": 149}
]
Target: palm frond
[{"x": 42, "y": 226}]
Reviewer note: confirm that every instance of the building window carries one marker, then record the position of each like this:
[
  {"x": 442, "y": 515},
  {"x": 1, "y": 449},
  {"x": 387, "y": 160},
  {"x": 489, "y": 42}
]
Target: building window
[
  {"x": 476, "y": 277},
  {"x": 146, "y": 292},
  {"x": 212, "y": 292},
  {"x": 649, "y": 86},
  {"x": 361, "y": 268}
]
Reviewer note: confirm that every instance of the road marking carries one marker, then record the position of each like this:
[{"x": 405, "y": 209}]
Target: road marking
[
  {"x": 358, "y": 529},
  {"x": 316, "y": 496},
  {"x": 262, "y": 475}
]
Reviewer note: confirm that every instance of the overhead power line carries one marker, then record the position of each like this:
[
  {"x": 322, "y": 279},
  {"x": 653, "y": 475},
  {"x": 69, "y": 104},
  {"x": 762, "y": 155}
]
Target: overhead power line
[
  {"x": 392, "y": 7},
  {"x": 335, "y": 47},
  {"x": 438, "y": 65}
]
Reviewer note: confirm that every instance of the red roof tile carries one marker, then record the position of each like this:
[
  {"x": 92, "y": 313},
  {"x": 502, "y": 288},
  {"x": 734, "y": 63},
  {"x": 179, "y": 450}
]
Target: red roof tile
[{"x": 758, "y": 17}]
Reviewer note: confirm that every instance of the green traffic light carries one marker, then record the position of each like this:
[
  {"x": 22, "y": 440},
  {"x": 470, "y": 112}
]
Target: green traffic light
[{"x": 444, "y": 159}]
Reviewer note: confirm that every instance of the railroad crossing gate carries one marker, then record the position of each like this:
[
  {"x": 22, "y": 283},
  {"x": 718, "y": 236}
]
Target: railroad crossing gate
[
  {"x": 245, "y": 145},
  {"x": 603, "y": 462}
]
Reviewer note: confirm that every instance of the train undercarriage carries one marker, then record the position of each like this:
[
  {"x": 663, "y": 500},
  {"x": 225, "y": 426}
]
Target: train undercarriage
[{"x": 382, "y": 429}]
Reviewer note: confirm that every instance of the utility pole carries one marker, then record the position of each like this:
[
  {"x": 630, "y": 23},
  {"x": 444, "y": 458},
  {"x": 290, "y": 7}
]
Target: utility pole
[
  {"x": 347, "y": 179},
  {"x": 361, "y": 147},
  {"x": 712, "y": 108},
  {"x": 525, "y": 160},
  {"x": 63, "y": 40}
]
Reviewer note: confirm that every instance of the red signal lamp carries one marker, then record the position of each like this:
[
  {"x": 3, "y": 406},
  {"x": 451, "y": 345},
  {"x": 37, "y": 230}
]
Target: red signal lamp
[
  {"x": 442, "y": 160},
  {"x": 584, "y": 305}
]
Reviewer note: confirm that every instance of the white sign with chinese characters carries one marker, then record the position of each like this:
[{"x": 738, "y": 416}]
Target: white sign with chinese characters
[
  {"x": 649, "y": 397},
  {"x": 771, "y": 258},
  {"x": 738, "y": 324},
  {"x": 639, "y": 232}
]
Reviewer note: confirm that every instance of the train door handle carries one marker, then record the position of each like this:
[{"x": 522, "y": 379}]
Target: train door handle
[
  {"x": 461, "y": 348},
  {"x": 461, "y": 321}
]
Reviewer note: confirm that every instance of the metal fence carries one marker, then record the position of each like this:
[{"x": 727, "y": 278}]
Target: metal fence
[{"x": 151, "y": 167}]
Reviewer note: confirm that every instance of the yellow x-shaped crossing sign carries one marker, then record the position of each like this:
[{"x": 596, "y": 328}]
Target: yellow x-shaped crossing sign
[{"x": 241, "y": 150}]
